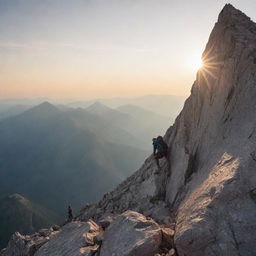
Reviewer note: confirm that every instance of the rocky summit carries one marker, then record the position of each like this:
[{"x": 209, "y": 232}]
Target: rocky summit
[{"x": 203, "y": 202}]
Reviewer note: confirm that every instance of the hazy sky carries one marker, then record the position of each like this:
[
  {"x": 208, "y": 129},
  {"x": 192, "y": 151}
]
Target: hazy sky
[{"x": 104, "y": 48}]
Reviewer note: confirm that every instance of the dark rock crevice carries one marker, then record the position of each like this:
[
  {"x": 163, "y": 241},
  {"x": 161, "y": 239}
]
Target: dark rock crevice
[{"x": 192, "y": 166}]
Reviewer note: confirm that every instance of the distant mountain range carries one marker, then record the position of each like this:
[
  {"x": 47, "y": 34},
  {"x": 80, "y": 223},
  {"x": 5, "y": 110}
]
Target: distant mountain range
[
  {"x": 55, "y": 158},
  {"x": 17, "y": 213},
  {"x": 146, "y": 124},
  {"x": 165, "y": 105},
  {"x": 7, "y": 111},
  {"x": 142, "y": 124}
]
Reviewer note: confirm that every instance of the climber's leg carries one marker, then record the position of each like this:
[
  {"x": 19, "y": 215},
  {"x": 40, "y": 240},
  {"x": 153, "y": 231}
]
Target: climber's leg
[{"x": 158, "y": 156}]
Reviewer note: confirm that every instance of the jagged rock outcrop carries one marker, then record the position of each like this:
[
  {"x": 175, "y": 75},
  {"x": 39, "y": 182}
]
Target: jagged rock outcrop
[
  {"x": 208, "y": 193},
  {"x": 75, "y": 238},
  {"x": 20, "y": 245},
  {"x": 128, "y": 234}
]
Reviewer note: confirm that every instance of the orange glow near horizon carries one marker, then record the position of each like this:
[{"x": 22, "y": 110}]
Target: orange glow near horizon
[
  {"x": 79, "y": 89},
  {"x": 99, "y": 49},
  {"x": 66, "y": 80}
]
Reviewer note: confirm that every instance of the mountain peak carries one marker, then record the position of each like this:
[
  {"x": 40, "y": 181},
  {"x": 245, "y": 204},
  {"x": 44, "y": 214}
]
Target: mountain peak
[
  {"x": 98, "y": 104},
  {"x": 46, "y": 105},
  {"x": 43, "y": 108},
  {"x": 98, "y": 108},
  {"x": 15, "y": 196},
  {"x": 229, "y": 8},
  {"x": 231, "y": 34},
  {"x": 230, "y": 15},
  {"x": 16, "y": 199}
]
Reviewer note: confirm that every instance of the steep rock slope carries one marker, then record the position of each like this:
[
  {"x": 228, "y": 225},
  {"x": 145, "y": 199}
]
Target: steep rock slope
[
  {"x": 215, "y": 135},
  {"x": 208, "y": 190},
  {"x": 212, "y": 180}
]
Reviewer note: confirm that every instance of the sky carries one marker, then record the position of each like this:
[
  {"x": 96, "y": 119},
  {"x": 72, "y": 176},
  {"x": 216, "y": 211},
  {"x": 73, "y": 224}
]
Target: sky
[{"x": 104, "y": 48}]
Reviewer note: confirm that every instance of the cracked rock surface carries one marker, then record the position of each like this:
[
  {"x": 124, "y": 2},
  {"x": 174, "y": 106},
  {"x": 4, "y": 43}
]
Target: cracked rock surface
[{"x": 131, "y": 234}]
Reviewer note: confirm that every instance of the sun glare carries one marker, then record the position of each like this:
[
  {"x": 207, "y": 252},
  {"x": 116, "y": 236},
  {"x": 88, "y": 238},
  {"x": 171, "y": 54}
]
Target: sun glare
[{"x": 194, "y": 62}]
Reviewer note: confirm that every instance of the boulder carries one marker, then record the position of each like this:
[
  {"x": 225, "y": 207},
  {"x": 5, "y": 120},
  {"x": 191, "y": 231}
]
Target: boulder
[
  {"x": 74, "y": 239},
  {"x": 20, "y": 245},
  {"x": 131, "y": 234},
  {"x": 160, "y": 213}
]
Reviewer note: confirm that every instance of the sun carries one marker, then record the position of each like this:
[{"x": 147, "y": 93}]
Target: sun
[{"x": 194, "y": 62}]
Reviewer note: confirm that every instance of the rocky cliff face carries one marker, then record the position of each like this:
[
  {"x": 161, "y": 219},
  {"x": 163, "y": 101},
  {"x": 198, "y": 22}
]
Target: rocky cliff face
[{"x": 207, "y": 192}]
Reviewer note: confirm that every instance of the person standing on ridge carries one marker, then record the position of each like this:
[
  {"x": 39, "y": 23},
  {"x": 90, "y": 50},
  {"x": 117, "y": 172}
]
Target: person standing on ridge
[
  {"x": 70, "y": 213},
  {"x": 160, "y": 149}
]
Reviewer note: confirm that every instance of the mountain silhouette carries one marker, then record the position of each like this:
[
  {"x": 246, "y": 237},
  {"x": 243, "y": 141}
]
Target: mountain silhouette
[{"x": 17, "y": 213}]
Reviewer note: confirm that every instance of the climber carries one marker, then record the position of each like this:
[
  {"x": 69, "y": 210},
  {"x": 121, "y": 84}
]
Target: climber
[
  {"x": 160, "y": 149},
  {"x": 70, "y": 213}
]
